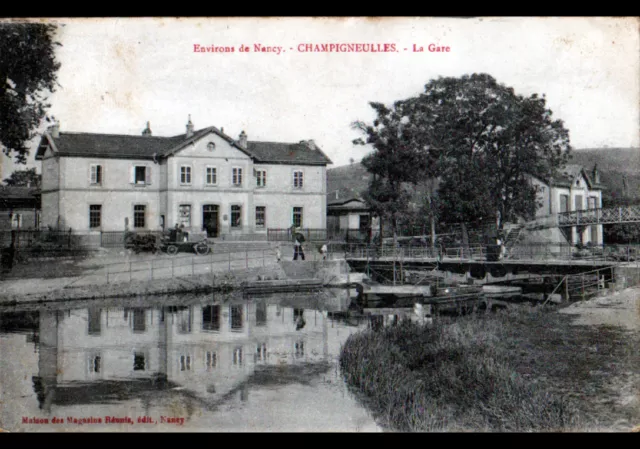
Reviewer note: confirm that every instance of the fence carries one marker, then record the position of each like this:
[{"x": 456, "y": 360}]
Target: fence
[
  {"x": 168, "y": 267},
  {"x": 33, "y": 237},
  {"x": 51, "y": 241},
  {"x": 116, "y": 239},
  {"x": 584, "y": 285},
  {"x": 285, "y": 234}
]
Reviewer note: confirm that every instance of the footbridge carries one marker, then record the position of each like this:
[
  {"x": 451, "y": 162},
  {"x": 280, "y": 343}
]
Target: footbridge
[{"x": 585, "y": 217}]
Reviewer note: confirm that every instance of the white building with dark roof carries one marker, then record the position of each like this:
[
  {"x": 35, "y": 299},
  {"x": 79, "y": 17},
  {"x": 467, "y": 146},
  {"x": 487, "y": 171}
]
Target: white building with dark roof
[
  {"x": 203, "y": 179},
  {"x": 574, "y": 189}
]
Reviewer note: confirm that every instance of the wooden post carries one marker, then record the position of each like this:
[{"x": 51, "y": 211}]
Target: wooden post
[
  {"x": 612, "y": 279},
  {"x": 401, "y": 266},
  {"x": 566, "y": 287},
  {"x": 347, "y": 266},
  {"x": 394, "y": 269},
  {"x": 367, "y": 266}
]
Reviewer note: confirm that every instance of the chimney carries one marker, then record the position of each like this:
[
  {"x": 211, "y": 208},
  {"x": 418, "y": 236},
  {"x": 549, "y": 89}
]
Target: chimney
[
  {"x": 242, "y": 140},
  {"x": 312, "y": 145},
  {"x": 147, "y": 130},
  {"x": 222, "y": 130},
  {"x": 189, "y": 128},
  {"x": 596, "y": 174},
  {"x": 54, "y": 129}
]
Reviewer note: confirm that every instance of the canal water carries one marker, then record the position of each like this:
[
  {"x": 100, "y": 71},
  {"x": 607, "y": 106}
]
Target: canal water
[{"x": 266, "y": 363}]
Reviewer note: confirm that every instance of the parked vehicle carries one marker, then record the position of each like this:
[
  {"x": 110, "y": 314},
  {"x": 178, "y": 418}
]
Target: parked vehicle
[
  {"x": 178, "y": 240},
  {"x": 141, "y": 242}
]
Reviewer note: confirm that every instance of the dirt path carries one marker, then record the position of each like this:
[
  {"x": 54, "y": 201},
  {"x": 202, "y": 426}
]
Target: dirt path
[{"x": 620, "y": 309}]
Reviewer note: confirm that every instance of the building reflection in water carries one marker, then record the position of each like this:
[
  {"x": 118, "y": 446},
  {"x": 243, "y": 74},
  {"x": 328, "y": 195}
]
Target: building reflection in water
[{"x": 206, "y": 352}]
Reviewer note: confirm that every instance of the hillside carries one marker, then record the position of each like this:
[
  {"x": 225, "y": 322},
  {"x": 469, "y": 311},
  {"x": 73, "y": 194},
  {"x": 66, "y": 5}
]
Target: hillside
[
  {"x": 349, "y": 180},
  {"x": 614, "y": 164}
]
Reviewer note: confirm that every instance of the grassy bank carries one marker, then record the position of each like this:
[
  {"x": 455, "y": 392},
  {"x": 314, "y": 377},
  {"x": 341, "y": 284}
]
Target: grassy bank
[{"x": 521, "y": 369}]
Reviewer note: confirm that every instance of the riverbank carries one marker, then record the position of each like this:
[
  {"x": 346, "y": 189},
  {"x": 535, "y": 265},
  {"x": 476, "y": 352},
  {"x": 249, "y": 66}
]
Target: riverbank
[
  {"x": 111, "y": 272},
  {"x": 168, "y": 276},
  {"x": 51, "y": 290},
  {"x": 521, "y": 369}
]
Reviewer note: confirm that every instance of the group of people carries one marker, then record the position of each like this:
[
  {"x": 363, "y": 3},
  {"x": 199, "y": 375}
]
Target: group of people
[{"x": 298, "y": 249}]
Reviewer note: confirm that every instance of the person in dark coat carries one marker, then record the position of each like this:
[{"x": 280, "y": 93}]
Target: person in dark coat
[
  {"x": 7, "y": 258},
  {"x": 297, "y": 250}
]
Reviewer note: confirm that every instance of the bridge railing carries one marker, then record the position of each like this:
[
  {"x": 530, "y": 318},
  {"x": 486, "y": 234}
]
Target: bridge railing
[
  {"x": 536, "y": 252},
  {"x": 626, "y": 214}
]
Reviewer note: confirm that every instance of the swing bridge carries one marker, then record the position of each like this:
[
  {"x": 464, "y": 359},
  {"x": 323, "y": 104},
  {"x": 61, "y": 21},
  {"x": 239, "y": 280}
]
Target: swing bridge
[{"x": 554, "y": 264}]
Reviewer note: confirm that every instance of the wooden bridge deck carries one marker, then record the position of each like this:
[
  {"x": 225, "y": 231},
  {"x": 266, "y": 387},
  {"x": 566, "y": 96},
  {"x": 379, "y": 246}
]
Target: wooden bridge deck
[{"x": 506, "y": 262}]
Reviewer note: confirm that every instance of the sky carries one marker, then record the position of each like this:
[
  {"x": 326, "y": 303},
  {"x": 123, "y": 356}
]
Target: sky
[{"x": 119, "y": 73}]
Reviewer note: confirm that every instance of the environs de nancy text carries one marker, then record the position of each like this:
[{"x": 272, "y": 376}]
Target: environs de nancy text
[{"x": 324, "y": 48}]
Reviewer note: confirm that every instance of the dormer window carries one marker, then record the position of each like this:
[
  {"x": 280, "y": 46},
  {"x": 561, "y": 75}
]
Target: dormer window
[{"x": 211, "y": 146}]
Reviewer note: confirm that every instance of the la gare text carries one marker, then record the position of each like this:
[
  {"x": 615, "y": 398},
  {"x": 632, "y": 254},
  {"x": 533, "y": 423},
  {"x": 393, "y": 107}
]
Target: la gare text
[{"x": 324, "y": 48}]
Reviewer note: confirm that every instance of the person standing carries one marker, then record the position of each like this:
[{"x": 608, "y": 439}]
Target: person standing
[
  {"x": 323, "y": 251},
  {"x": 297, "y": 250},
  {"x": 500, "y": 243},
  {"x": 7, "y": 258}
]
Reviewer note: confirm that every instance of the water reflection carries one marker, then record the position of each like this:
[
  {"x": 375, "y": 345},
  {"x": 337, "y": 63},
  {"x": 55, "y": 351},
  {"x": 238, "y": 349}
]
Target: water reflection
[{"x": 196, "y": 357}]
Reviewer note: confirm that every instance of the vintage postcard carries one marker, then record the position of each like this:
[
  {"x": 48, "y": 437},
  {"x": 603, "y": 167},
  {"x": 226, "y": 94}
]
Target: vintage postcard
[{"x": 311, "y": 224}]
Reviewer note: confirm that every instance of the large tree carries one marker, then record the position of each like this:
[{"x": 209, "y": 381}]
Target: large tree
[
  {"x": 483, "y": 141},
  {"x": 395, "y": 163},
  {"x": 24, "y": 178},
  {"x": 28, "y": 73}
]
